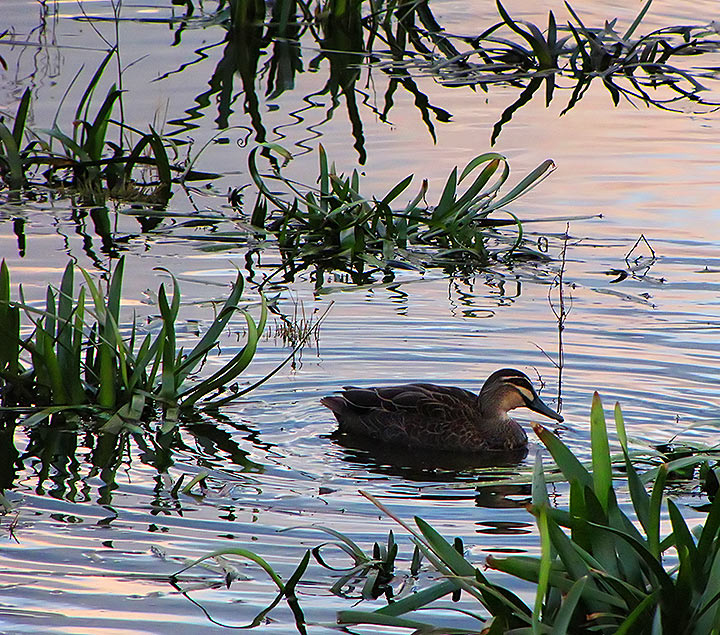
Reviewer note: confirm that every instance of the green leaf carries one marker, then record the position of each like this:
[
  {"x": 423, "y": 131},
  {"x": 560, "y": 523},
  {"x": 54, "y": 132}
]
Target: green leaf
[
  {"x": 95, "y": 140},
  {"x": 396, "y": 191},
  {"x": 539, "y": 486},
  {"x": 640, "y": 611},
  {"x": 654, "y": 511},
  {"x": 602, "y": 468},
  {"x": 324, "y": 179},
  {"x": 81, "y": 111},
  {"x": 419, "y": 599},
  {"x": 564, "y": 616},
  {"x": 654, "y": 566},
  {"x": 708, "y": 605},
  {"x": 620, "y": 426},
  {"x": 564, "y": 458},
  {"x": 707, "y": 545},
  {"x": 370, "y": 617},
  {"x": 21, "y": 117},
  {"x": 445, "y": 551},
  {"x": 683, "y": 537},
  {"x": 528, "y": 568},
  {"x": 447, "y": 199},
  {"x": 638, "y": 19},
  {"x": 472, "y": 192},
  {"x": 638, "y": 494},
  {"x": 546, "y": 559},
  {"x": 228, "y": 372},
  {"x": 210, "y": 338},
  {"x": 16, "y": 175},
  {"x": 535, "y": 177}
]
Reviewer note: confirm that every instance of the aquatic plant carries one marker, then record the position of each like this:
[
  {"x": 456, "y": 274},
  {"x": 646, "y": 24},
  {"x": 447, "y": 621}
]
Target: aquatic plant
[
  {"x": 89, "y": 163},
  {"x": 609, "y": 575},
  {"x": 336, "y": 221},
  {"x": 80, "y": 357}
]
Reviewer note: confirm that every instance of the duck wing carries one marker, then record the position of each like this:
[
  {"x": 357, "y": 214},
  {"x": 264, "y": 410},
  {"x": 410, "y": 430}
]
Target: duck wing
[{"x": 424, "y": 400}]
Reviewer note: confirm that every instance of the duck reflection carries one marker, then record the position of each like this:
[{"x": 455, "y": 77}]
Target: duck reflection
[{"x": 433, "y": 466}]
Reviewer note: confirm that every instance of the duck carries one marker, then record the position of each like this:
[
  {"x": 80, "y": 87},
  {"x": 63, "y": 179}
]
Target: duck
[{"x": 427, "y": 416}]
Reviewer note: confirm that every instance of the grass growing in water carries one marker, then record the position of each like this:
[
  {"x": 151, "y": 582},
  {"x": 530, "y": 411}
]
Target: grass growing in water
[
  {"x": 87, "y": 162},
  {"x": 334, "y": 220},
  {"x": 80, "y": 357}
]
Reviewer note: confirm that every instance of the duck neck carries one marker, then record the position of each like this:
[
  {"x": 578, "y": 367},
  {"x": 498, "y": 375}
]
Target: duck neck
[{"x": 501, "y": 430}]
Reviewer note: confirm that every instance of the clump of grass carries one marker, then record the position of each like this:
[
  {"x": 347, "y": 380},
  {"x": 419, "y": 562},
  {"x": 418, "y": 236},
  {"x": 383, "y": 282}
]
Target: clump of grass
[
  {"x": 334, "y": 220},
  {"x": 609, "y": 574},
  {"x": 87, "y": 162},
  {"x": 78, "y": 356}
]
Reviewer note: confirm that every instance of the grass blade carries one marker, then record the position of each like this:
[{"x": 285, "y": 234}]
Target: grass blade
[
  {"x": 565, "y": 459},
  {"x": 602, "y": 468}
]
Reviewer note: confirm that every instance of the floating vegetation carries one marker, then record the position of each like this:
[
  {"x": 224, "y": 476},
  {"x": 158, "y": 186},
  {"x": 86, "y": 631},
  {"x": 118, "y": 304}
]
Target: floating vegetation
[
  {"x": 82, "y": 358},
  {"x": 320, "y": 225}
]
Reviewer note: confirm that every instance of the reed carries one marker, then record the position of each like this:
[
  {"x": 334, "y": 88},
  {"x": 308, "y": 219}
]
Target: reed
[
  {"x": 76, "y": 354},
  {"x": 335, "y": 220}
]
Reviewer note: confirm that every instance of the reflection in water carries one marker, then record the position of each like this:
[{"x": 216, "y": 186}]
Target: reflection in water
[
  {"x": 411, "y": 41},
  {"x": 249, "y": 38},
  {"x": 437, "y": 466},
  {"x": 504, "y": 528},
  {"x": 499, "y": 496},
  {"x": 422, "y": 465},
  {"x": 66, "y": 455},
  {"x": 9, "y": 464}
]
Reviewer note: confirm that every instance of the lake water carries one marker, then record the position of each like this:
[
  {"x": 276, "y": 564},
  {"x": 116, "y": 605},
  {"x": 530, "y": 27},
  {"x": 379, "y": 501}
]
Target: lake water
[{"x": 95, "y": 531}]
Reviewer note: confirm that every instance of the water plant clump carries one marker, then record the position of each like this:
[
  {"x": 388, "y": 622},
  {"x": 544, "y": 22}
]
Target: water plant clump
[
  {"x": 319, "y": 225},
  {"x": 79, "y": 356},
  {"x": 87, "y": 162},
  {"x": 609, "y": 574}
]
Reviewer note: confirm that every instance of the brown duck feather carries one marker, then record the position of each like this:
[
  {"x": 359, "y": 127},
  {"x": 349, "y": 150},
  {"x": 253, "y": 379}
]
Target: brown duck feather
[{"x": 424, "y": 415}]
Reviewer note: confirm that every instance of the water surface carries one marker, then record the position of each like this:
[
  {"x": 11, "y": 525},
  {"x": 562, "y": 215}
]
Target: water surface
[{"x": 97, "y": 528}]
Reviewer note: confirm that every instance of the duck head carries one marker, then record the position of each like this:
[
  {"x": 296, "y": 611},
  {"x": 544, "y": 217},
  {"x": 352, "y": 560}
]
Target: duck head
[{"x": 509, "y": 388}]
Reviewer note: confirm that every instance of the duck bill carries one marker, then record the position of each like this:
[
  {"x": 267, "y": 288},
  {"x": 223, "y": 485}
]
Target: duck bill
[{"x": 539, "y": 406}]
